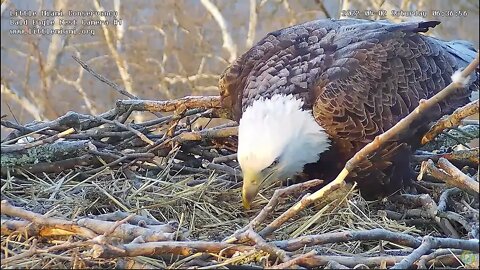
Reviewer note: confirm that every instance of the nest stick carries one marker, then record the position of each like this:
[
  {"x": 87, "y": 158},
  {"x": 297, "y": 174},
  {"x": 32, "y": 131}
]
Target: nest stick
[
  {"x": 467, "y": 156},
  {"x": 87, "y": 227},
  {"x": 261, "y": 244},
  {"x": 450, "y": 121},
  {"x": 295, "y": 261},
  {"x": 273, "y": 202},
  {"x": 450, "y": 175},
  {"x": 338, "y": 237},
  {"x": 423, "y": 249},
  {"x": 352, "y": 262},
  {"x": 190, "y": 102},
  {"x": 166, "y": 247},
  {"x": 55, "y": 224},
  {"x": 18, "y": 147},
  {"x": 304, "y": 202},
  {"x": 461, "y": 180},
  {"x": 29, "y": 253}
]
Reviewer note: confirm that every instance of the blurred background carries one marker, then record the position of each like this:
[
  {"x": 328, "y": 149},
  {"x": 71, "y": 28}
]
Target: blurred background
[{"x": 166, "y": 49}]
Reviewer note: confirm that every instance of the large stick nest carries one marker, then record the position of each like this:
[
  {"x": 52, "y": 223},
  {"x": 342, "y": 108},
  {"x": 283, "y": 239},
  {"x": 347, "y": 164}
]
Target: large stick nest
[{"x": 104, "y": 191}]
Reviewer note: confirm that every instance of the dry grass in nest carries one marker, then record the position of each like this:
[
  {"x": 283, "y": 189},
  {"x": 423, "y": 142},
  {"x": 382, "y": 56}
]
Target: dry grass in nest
[
  {"x": 205, "y": 206},
  {"x": 209, "y": 209},
  {"x": 172, "y": 180}
]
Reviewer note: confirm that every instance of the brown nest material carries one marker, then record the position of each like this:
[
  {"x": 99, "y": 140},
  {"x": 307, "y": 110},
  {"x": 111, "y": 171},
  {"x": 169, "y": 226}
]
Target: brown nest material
[{"x": 87, "y": 191}]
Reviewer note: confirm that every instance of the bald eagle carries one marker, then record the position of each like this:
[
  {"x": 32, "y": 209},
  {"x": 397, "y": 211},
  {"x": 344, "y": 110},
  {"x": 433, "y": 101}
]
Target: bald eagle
[{"x": 309, "y": 96}]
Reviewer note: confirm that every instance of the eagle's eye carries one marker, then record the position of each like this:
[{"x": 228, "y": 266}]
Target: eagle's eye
[{"x": 273, "y": 165}]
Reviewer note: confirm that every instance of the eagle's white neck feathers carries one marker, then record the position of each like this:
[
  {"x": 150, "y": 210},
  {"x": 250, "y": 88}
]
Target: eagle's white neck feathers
[{"x": 278, "y": 128}]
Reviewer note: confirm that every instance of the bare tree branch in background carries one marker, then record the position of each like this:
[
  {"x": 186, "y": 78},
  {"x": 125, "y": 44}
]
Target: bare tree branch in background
[
  {"x": 121, "y": 63},
  {"x": 291, "y": 14},
  {"x": 252, "y": 24},
  {"x": 24, "y": 102},
  {"x": 345, "y": 6},
  {"x": 120, "y": 27},
  {"x": 323, "y": 8},
  {"x": 77, "y": 84},
  {"x": 161, "y": 64},
  {"x": 228, "y": 43},
  {"x": 55, "y": 49},
  {"x": 5, "y": 4}
]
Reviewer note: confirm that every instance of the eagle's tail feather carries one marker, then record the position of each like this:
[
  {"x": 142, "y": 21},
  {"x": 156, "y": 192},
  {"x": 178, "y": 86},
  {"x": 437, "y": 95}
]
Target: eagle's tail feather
[
  {"x": 414, "y": 27},
  {"x": 462, "y": 50}
]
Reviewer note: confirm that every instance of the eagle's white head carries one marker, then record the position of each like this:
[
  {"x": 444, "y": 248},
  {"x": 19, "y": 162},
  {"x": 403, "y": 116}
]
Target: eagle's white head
[{"x": 276, "y": 138}]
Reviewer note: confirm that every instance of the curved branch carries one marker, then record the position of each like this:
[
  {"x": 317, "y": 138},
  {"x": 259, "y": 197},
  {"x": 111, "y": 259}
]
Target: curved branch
[{"x": 228, "y": 43}]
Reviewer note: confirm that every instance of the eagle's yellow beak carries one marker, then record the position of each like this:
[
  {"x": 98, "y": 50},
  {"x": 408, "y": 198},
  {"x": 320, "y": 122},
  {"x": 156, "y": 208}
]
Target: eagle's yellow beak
[{"x": 251, "y": 186}]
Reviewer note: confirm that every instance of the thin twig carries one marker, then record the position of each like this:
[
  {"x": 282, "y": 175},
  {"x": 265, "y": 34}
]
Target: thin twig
[{"x": 103, "y": 79}]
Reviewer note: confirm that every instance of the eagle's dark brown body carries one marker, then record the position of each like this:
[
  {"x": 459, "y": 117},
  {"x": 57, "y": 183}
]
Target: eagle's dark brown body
[{"x": 359, "y": 78}]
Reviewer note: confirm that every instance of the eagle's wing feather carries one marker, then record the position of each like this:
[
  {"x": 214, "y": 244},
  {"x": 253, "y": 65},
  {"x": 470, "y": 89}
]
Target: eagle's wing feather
[
  {"x": 361, "y": 65},
  {"x": 378, "y": 76},
  {"x": 286, "y": 61}
]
